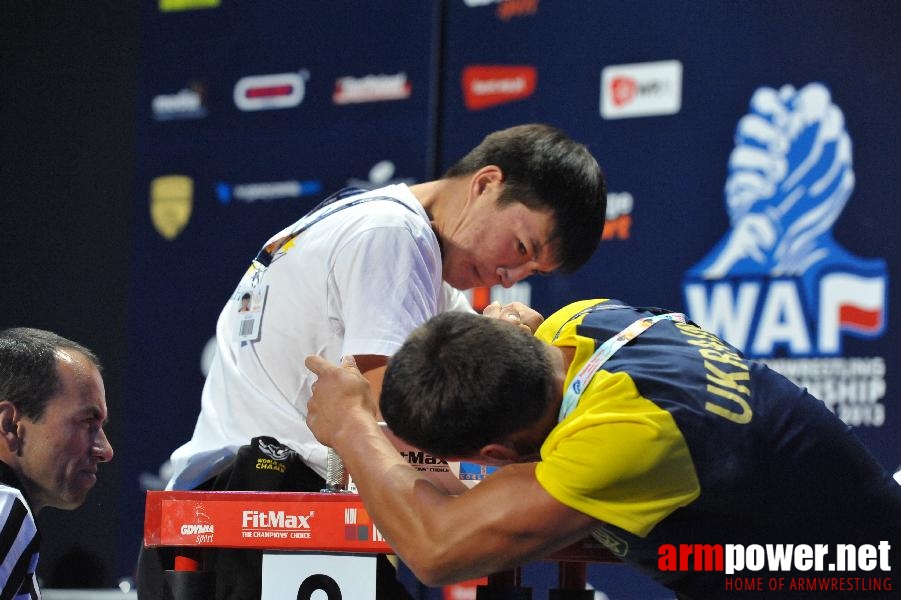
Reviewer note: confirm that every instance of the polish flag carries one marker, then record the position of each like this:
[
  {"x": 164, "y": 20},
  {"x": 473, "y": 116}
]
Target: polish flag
[{"x": 851, "y": 303}]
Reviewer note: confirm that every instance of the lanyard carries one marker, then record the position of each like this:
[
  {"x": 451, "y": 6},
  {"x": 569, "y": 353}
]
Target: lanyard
[
  {"x": 603, "y": 354},
  {"x": 268, "y": 252}
]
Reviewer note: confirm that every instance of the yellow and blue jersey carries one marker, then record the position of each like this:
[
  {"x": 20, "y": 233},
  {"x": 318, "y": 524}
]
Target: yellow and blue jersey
[{"x": 678, "y": 439}]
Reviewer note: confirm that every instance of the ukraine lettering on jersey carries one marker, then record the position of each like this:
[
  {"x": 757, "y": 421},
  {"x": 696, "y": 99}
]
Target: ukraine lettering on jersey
[
  {"x": 778, "y": 282},
  {"x": 727, "y": 375}
]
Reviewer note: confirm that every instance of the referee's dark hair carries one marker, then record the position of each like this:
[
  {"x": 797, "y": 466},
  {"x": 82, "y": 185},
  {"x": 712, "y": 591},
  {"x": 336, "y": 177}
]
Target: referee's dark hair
[{"x": 28, "y": 367}]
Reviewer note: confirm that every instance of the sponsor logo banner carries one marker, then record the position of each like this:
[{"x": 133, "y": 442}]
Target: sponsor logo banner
[
  {"x": 266, "y": 191},
  {"x": 344, "y": 526},
  {"x": 641, "y": 89},
  {"x": 187, "y": 103},
  {"x": 171, "y": 203},
  {"x": 177, "y": 5},
  {"x": 485, "y": 86},
  {"x": 382, "y": 173},
  {"x": 618, "y": 220},
  {"x": 507, "y": 9},
  {"x": 371, "y": 88},
  {"x": 267, "y": 92}
]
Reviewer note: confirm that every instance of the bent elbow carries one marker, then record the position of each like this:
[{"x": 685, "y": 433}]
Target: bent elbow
[
  {"x": 431, "y": 579},
  {"x": 430, "y": 569},
  {"x": 428, "y": 572}
]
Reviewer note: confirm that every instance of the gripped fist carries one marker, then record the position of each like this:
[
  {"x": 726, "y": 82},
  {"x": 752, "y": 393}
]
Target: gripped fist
[
  {"x": 340, "y": 392},
  {"x": 516, "y": 313}
]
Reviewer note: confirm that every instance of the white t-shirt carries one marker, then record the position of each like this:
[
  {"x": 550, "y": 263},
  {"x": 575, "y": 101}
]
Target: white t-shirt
[{"x": 355, "y": 282}]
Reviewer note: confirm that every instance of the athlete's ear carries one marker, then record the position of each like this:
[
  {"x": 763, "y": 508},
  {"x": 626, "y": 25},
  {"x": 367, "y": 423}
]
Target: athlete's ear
[
  {"x": 489, "y": 176},
  {"x": 498, "y": 454}
]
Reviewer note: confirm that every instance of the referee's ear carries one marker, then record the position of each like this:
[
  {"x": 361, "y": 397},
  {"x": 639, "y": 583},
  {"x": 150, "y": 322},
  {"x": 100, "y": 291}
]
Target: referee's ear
[{"x": 9, "y": 426}]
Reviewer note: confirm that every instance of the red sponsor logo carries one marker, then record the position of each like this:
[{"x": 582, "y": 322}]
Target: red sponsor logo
[
  {"x": 487, "y": 86},
  {"x": 507, "y": 9},
  {"x": 623, "y": 90},
  {"x": 371, "y": 88},
  {"x": 265, "y": 92},
  {"x": 516, "y": 8}
]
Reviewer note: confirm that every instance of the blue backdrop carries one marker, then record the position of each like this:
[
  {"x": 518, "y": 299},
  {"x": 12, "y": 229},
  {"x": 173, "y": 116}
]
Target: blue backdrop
[{"x": 750, "y": 148}]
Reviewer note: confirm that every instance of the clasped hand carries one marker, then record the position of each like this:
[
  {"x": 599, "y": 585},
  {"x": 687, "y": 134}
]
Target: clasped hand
[
  {"x": 515, "y": 312},
  {"x": 339, "y": 393}
]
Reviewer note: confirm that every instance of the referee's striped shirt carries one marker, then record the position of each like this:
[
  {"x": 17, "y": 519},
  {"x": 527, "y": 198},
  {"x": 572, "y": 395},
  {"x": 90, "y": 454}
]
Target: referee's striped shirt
[{"x": 19, "y": 542}]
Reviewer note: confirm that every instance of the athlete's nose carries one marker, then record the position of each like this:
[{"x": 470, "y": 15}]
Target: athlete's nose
[{"x": 510, "y": 275}]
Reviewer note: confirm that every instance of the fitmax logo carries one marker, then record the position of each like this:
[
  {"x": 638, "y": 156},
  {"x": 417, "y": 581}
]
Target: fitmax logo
[
  {"x": 422, "y": 458},
  {"x": 274, "y": 519}
]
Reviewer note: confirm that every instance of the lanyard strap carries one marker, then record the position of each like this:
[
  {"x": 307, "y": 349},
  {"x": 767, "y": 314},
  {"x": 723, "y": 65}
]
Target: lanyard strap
[
  {"x": 603, "y": 354},
  {"x": 264, "y": 256},
  {"x": 268, "y": 252}
]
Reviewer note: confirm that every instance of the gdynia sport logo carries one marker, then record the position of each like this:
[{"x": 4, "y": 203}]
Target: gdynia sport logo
[{"x": 817, "y": 567}]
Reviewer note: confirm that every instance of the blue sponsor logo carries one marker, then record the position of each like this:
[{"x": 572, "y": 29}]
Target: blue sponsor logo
[
  {"x": 266, "y": 191},
  {"x": 778, "y": 283},
  {"x": 474, "y": 471}
]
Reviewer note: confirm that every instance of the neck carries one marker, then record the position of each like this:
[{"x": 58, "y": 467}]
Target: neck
[
  {"x": 561, "y": 358},
  {"x": 427, "y": 193},
  {"x": 13, "y": 476},
  {"x": 569, "y": 353},
  {"x": 441, "y": 200}
]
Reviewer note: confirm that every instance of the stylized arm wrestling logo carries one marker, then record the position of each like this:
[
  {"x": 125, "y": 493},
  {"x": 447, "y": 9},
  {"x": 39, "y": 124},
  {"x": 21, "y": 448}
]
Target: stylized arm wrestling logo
[
  {"x": 790, "y": 175},
  {"x": 274, "y": 450},
  {"x": 778, "y": 281}
]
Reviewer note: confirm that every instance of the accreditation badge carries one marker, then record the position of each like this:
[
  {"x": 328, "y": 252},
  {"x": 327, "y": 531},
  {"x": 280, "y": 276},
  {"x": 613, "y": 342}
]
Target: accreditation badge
[{"x": 248, "y": 303}]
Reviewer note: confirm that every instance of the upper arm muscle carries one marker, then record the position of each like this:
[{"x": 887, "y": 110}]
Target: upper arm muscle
[
  {"x": 372, "y": 366},
  {"x": 504, "y": 521}
]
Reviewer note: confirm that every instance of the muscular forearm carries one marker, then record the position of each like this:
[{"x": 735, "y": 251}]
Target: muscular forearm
[
  {"x": 403, "y": 503},
  {"x": 501, "y": 523},
  {"x": 504, "y": 521}
]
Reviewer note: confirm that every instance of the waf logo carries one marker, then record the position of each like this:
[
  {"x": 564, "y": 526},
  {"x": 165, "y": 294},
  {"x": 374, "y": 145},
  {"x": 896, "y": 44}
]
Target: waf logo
[
  {"x": 487, "y": 86},
  {"x": 778, "y": 283},
  {"x": 267, "y": 92}
]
